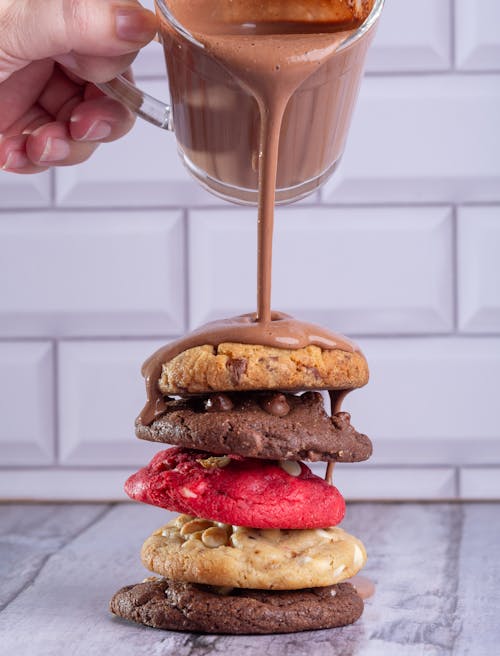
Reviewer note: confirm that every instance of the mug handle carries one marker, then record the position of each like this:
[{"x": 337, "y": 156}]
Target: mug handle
[{"x": 142, "y": 104}]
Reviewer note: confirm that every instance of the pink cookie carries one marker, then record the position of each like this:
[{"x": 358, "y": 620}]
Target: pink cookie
[{"x": 236, "y": 490}]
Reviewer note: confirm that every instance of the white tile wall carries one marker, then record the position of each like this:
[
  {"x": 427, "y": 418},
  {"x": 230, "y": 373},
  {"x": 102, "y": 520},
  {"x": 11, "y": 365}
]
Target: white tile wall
[
  {"x": 25, "y": 190},
  {"x": 100, "y": 393},
  {"x": 430, "y": 400},
  {"x": 428, "y": 138},
  {"x": 412, "y": 37},
  {"x": 91, "y": 273},
  {"x": 100, "y": 263},
  {"x": 480, "y": 483},
  {"x": 360, "y": 482},
  {"x": 478, "y": 35},
  {"x": 64, "y": 484},
  {"x": 329, "y": 283},
  {"x": 478, "y": 257},
  {"x": 26, "y": 404}
]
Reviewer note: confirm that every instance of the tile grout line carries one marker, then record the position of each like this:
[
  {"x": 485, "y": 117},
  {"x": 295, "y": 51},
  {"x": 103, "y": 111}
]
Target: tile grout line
[
  {"x": 55, "y": 401},
  {"x": 455, "y": 272},
  {"x": 52, "y": 188},
  {"x": 318, "y": 204},
  {"x": 453, "y": 30},
  {"x": 187, "y": 268},
  {"x": 458, "y": 482}
]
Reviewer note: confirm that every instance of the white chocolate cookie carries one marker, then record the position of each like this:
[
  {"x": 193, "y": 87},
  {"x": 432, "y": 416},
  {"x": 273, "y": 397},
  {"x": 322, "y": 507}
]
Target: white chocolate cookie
[{"x": 200, "y": 551}]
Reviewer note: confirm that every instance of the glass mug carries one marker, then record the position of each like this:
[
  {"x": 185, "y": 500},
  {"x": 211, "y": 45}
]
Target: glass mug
[{"x": 217, "y": 123}]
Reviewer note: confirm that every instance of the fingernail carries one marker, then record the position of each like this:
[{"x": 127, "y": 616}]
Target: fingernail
[
  {"x": 15, "y": 160},
  {"x": 97, "y": 131},
  {"x": 135, "y": 24},
  {"x": 55, "y": 150}
]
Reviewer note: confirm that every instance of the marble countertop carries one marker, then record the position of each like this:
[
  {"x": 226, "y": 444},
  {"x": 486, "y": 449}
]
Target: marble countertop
[{"x": 436, "y": 567}]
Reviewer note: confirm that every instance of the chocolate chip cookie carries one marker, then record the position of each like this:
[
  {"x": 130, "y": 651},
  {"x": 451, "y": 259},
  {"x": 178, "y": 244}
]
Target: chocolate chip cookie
[{"x": 241, "y": 367}]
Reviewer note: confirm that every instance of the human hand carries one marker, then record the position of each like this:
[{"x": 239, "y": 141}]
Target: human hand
[{"x": 50, "y": 115}]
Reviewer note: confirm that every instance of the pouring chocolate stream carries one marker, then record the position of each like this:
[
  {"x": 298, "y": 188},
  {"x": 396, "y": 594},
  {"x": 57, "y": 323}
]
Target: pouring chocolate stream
[{"x": 271, "y": 70}]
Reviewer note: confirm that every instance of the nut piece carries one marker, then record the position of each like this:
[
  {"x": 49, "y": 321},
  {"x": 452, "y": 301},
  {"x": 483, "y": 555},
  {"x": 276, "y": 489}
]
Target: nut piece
[
  {"x": 183, "y": 519},
  {"x": 214, "y": 462},
  {"x": 214, "y": 537},
  {"x": 193, "y": 526},
  {"x": 271, "y": 534},
  {"x": 291, "y": 467}
]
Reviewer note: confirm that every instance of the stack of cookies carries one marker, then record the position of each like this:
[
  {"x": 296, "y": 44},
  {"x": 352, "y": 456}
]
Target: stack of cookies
[{"x": 256, "y": 547}]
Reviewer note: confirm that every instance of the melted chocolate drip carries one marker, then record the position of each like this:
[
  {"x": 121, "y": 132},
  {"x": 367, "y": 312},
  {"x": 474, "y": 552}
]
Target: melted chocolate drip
[
  {"x": 329, "y": 473},
  {"x": 281, "y": 332}
]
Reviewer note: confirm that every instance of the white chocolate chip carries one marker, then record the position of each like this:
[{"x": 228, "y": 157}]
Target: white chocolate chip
[
  {"x": 358, "y": 557},
  {"x": 333, "y": 592},
  {"x": 321, "y": 533},
  {"x": 291, "y": 467},
  {"x": 338, "y": 571},
  {"x": 189, "y": 494},
  {"x": 303, "y": 560},
  {"x": 215, "y": 462}
]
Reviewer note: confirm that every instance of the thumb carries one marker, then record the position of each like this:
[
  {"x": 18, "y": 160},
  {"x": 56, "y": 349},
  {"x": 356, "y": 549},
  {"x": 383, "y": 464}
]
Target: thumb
[{"x": 34, "y": 30}]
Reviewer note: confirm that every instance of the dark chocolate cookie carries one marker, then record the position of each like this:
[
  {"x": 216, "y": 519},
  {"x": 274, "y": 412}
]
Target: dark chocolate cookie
[
  {"x": 178, "y": 606},
  {"x": 274, "y": 426}
]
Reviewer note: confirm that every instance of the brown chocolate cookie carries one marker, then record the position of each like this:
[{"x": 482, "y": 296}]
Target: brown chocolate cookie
[
  {"x": 271, "y": 425},
  {"x": 171, "y": 605}
]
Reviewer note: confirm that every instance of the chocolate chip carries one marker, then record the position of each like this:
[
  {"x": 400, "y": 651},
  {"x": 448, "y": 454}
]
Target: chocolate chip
[
  {"x": 276, "y": 405},
  {"x": 236, "y": 367},
  {"x": 314, "y": 371},
  {"x": 341, "y": 420},
  {"x": 219, "y": 403}
]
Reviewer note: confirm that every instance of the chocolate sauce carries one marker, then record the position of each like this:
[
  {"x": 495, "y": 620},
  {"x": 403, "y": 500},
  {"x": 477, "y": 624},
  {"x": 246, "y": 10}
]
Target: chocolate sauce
[
  {"x": 329, "y": 473},
  {"x": 281, "y": 332},
  {"x": 365, "y": 587},
  {"x": 269, "y": 65}
]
